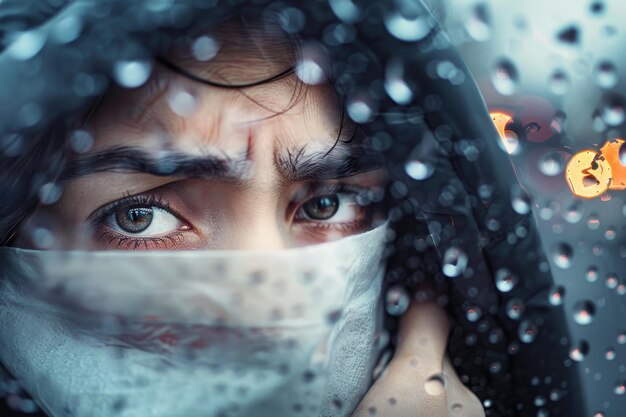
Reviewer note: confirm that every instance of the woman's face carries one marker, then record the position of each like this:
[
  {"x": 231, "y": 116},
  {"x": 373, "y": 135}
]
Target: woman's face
[{"x": 178, "y": 164}]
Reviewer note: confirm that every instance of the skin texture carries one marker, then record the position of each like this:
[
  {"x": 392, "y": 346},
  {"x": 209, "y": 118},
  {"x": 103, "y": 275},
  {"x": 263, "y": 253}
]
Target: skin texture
[
  {"x": 407, "y": 388},
  {"x": 256, "y": 206}
]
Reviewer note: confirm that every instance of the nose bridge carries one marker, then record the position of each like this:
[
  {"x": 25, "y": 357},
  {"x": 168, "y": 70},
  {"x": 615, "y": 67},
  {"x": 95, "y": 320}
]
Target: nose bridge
[{"x": 263, "y": 231}]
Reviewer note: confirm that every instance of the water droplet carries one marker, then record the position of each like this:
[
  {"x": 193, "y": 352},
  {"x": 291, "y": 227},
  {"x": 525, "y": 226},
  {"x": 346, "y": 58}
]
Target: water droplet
[
  {"x": 505, "y": 280},
  {"x": 396, "y": 301},
  {"x": 593, "y": 221},
  {"x": 182, "y": 102},
  {"x": 26, "y": 45},
  {"x": 558, "y": 82},
  {"x": 132, "y": 73},
  {"x": 291, "y": 20},
  {"x": 579, "y": 352},
  {"x": 43, "y": 238},
  {"x": 563, "y": 255},
  {"x": 310, "y": 72},
  {"x": 435, "y": 384},
  {"x": 574, "y": 213},
  {"x": 598, "y": 414},
  {"x": 81, "y": 141},
  {"x": 621, "y": 338},
  {"x": 527, "y": 331},
  {"x": 204, "y": 48},
  {"x": 620, "y": 387},
  {"x": 473, "y": 313},
  {"x": 610, "y": 354},
  {"x": 612, "y": 281},
  {"x": 409, "y": 29},
  {"x": 505, "y": 77},
  {"x": 569, "y": 35},
  {"x": 557, "y": 293},
  {"x": 454, "y": 262},
  {"x": 605, "y": 75},
  {"x": 418, "y": 170},
  {"x": 551, "y": 164},
  {"x": 520, "y": 201},
  {"x": 584, "y": 312},
  {"x": 360, "y": 111},
  {"x": 592, "y": 274},
  {"x": 487, "y": 403},
  {"x": 67, "y": 29},
  {"x": 612, "y": 111},
  {"x": 515, "y": 308},
  {"x": 50, "y": 193},
  {"x": 477, "y": 23}
]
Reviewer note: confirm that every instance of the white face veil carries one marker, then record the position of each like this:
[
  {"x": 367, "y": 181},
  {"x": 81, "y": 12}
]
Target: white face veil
[{"x": 194, "y": 334}]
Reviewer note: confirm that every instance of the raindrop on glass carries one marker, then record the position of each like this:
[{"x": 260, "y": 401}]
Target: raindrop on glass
[
  {"x": 81, "y": 141},
  {"x": 310, "y": 72},
  {"x": 204, "y": 48},
  {"x": 611, "y": 281},
  {"x": 520, "y": 201},
  {"x": 505, "y": 280},
  {"x": 621, "y": 338},
  {"x": 515, "y": 308},
  {"x": 584, "y": 312},
  {"x": 527, "y": 331},
  {"x": 592, "y": 274},
  {"x": 610, "y": 354},
  {"x": 454, "y": 262},
  {"x": 360, "y": 111},
  {"x": 551, "y": 164},
  {"x": 620, "y": 387},
  {"x": 557, "y": 293},
  {"x": 558, "y": 82},
  {"x": 418, "y": 170},
  {"x": 612, "y": 111},
  {"x": 605, "y": 75},
  {"x": 396, "y": 301},
  {"x": 593, "y": 221},
  {"x": 132, "y": 73},
  {"x": 408, "y": 29},
  {"x": 574, "y": 212},
  {"x": 473, "y": 313},
  {"x": 182, "y": 102},
  {"x": 504, "y": 77},
  {"x": 563, "y": 255},
  {"x": 477, "y": 23},
  {"x": 26, "y": 45},
  {"x": 435, "y": 384},
  {"x": 580, "y": 351}
]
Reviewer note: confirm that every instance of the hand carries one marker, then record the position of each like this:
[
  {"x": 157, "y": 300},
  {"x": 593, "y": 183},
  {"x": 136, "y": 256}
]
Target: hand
[{"x": 420, "y": 380}]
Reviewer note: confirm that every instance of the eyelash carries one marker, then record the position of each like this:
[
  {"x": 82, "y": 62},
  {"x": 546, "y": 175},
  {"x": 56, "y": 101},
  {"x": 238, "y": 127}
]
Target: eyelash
[
  {"x": 130, "y": 242},
  {"x": 102, "y": 232}
]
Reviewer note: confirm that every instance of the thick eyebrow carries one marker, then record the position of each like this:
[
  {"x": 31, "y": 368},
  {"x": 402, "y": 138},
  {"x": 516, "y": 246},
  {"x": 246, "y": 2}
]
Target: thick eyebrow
[
  {"x": 167, "y": 163},
  {"x": 324, "y": 165},
  {"x": 294, "y": 166}
]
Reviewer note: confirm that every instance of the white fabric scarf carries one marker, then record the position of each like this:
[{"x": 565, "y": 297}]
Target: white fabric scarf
[{"x": 194, "y": 333}]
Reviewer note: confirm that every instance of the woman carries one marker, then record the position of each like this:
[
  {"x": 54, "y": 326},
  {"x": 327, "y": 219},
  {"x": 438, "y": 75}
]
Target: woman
[{"x": 271, "y": 135}]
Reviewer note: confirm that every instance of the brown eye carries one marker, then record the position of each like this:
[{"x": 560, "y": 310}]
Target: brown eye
[
  {"x": 321, "y": 208},
  {"x": 134, "y": 219}
]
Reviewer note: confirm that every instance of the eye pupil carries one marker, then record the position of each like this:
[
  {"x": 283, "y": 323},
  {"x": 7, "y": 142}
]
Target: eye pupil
[
  {"x": 134, "y": 219},
  {"x": 322, "y": 208}
]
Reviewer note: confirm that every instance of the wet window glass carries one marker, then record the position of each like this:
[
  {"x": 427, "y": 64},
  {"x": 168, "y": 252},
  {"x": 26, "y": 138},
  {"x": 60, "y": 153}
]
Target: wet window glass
[{"x": 312, "y": 208}]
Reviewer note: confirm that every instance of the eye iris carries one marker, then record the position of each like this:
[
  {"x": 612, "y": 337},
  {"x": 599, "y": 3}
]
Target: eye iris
[
  {"x": 134, "y": 219},
  {"x": 322, "y": 208}
]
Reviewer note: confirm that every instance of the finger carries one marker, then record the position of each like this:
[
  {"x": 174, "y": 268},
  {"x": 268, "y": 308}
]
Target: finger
[{"x": 413, "y": 383}]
